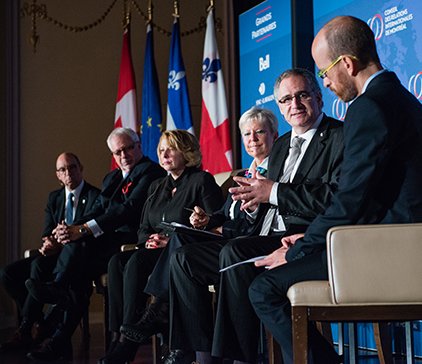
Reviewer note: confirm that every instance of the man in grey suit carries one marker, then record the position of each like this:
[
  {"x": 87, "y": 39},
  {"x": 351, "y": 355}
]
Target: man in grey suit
[
  {"x": 40, "y": 266},
  {"x": 310, "y": 178},
  {"x": 380, "y": 180}
]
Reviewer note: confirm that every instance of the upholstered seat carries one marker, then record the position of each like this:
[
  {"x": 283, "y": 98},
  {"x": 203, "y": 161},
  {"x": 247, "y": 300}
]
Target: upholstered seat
[{"x": 375, "y": 274}]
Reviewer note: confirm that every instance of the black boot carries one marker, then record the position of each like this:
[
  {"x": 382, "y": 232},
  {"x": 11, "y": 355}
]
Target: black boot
[{"x": 153, "y": 321}]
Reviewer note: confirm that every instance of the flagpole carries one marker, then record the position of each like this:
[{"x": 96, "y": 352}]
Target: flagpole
[
  {"x": 176, "y": 9},
  {"x": 210, "y": 6},
  {"x": 149, "y": 12}
]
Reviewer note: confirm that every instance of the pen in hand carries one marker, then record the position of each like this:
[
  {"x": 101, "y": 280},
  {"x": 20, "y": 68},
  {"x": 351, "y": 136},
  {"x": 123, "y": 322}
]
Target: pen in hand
[{"x": 192, "y": 210}]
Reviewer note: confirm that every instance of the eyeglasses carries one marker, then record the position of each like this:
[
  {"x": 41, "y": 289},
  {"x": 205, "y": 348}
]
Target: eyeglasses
[
  {"x": 299, "y": 96},
  {"x": 69, "y": 168},
  {"x": 323, "y": 73},
  {"x": 125, "y": 150}
]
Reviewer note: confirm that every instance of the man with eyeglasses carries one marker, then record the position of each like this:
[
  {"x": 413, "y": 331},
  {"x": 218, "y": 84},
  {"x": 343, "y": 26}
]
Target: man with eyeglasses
[
  {"x": 89, "y": 242},
  {"x": 380, "y": 179},
  {"x": 301, "y": 181},
  {"x": 72, "y": 201}
]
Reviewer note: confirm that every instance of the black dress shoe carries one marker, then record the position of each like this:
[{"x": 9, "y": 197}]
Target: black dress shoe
[
  {"x": 50, "y": 292},
  {"x": 124, "y": 352},
  {"x": 53, "y": 350},
  {"x": 179, "y": 357},
  {"x": 153, "y": 321}
]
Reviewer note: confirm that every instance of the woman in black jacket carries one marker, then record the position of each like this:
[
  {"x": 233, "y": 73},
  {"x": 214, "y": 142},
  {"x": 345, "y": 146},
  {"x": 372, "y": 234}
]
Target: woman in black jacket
[{"x": 185, "y": 186}]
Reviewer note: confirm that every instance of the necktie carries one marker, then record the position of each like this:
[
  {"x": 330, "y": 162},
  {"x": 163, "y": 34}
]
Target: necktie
[
  {"x": 69, "y": 209},
  {"x": 285, "y": 178}
]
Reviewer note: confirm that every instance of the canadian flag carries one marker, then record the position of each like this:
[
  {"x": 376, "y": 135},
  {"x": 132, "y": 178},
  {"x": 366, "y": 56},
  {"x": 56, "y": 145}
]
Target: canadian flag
[
  {"x": 126, "y": 114},
  {"x": 215, "y": 128}
]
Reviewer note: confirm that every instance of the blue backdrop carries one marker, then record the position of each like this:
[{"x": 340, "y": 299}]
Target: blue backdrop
[{"x": 265, "y": 47}]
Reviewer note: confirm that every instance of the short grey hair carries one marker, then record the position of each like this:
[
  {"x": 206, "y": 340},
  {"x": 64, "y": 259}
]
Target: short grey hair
[
  {"x": 261, "y": 115},
  {"x": 123, "y": 131},
  {"x": 307, "y": 75}
]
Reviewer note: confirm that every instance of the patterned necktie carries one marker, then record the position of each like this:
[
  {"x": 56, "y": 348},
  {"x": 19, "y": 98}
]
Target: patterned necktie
[
  {"x": 285, "y": 178},
  {"x": 69, "y": 209}
]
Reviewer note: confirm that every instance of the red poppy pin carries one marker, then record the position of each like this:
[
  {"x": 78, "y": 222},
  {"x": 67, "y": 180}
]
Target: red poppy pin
[{"x": 126, "y": 187}]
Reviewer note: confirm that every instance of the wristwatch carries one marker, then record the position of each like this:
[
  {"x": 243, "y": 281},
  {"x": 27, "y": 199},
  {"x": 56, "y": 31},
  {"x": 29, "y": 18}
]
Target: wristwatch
[{"x": 83, "y": 230}]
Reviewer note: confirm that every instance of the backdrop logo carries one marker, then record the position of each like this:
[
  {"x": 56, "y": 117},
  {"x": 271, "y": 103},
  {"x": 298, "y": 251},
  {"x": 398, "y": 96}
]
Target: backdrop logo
[
  {"x": 377, "y": 26},
  {"x": 339, "y": 109},
  {"x": 415, "y": 85},
  {"x": 261, "y": 88}
]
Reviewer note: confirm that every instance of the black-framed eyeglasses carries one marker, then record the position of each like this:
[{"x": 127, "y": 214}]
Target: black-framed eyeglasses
[
  {"x": 323, "y": 73},
  {"x": 299, "y": 96},
  {"x": 126, "y": 149},
  {"x": 69, "y": 168}
]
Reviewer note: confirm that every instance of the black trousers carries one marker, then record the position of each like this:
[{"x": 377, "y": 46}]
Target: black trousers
[
  {"x": 192, "y": 269},
  {"x": 77, "y": 265},
  {"x": 268, "y": 295},
  {"x": 128, "y": 274},
  {"x": 158, "y": 282},
  {"x": 14, "y": 275}
]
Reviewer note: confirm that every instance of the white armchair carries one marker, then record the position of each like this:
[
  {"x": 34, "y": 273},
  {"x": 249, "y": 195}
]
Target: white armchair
[{"x": 375, "y": 274}]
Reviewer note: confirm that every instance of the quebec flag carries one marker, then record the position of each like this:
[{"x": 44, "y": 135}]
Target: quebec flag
[
  {"x": 215, "y": 126},
  {"x": 178, "y": 105},
  {"x": 151, "y": 104}
]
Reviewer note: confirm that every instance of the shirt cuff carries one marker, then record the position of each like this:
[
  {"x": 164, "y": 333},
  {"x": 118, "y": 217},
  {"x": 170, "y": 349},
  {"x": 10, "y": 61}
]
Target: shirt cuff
[
  {"x": 273, "y": 195},
  {"x": 95, "y": 228}
]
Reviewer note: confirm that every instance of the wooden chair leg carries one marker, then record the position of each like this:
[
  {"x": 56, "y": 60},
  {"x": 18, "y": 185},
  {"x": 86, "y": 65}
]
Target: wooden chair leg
[
  {"x": 274, "y": 350},
  {"x": 300, "y": 335},
  {"x": 383, "y": 340},
  {"x": 156, "y": 349},
  {"x": 106, "y": 319},
  {"x": 85, "y": 329}
]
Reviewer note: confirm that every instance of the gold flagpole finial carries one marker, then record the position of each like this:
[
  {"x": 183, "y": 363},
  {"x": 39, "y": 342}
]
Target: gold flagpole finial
[
  {"x": 210, "y": 6},
  {"x": 149, "y": 11},
  {"x": 176, "y": 9},
  {"x": 126, "y": 15}
]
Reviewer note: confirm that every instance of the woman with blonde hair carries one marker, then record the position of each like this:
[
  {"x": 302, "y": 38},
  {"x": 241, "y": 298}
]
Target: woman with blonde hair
[{"x": 185, "y": 186}]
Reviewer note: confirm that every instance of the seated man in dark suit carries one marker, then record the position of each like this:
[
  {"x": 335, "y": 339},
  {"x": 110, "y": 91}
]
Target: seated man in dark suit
[
  {"x": 304, "y": 177},
  {"x": 380, "y": 179},
  {"x": 89, "y": 243},
  {"x": 72, "y": 201}
]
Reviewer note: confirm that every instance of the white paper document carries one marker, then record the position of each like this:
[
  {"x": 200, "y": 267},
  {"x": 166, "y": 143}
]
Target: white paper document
[{"x": 251, "y": 260}]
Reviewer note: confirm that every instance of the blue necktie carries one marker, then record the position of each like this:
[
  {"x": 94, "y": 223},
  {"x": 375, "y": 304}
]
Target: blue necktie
[{"x": 69, "y": 209}]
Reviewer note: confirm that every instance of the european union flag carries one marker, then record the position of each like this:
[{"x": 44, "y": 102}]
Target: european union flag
[
  {"x": 178, "y": 105},
  {"x": 151, "y": 104}
]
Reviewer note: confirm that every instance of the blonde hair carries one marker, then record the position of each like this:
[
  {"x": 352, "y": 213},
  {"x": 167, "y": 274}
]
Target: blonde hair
[{"x": 184, "y": 142}]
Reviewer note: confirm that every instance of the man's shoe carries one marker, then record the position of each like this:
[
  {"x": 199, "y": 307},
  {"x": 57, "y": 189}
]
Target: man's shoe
[
  {"x": 50, "y": 292},
  {"x": 124, "y": 352},
  {"x": 179, "y": 357},
  {"x": 153, "y": 321},
  {"x": 52, "y": 350},
  {"x": 20, "y": 341}
]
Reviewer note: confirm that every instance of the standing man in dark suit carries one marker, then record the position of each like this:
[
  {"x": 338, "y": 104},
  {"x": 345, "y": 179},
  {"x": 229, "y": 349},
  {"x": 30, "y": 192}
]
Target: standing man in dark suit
[
  {"x": 89, "y": 243},
  {"x": 310, "y": 178},
  {"x": 76, "y": 197},
  {"x": 380, "y": 180}
]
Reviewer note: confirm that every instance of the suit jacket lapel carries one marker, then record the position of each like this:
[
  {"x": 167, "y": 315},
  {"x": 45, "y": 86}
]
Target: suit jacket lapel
[
  {"x": 80, "y": 209},
  {"x": 60, "y": 204},
  {"x": 313, "y": 151}
]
